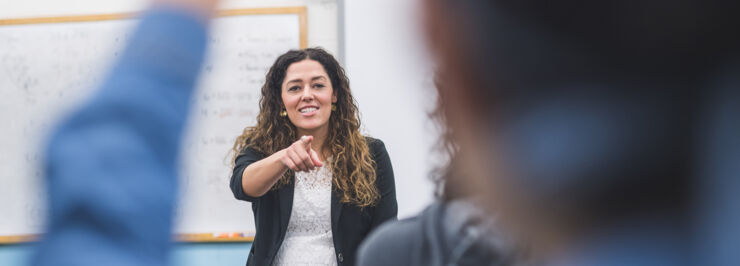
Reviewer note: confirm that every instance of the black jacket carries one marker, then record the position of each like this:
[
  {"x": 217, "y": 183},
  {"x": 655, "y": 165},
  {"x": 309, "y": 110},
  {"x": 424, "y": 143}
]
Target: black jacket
[{"x": 349, "y": 224}]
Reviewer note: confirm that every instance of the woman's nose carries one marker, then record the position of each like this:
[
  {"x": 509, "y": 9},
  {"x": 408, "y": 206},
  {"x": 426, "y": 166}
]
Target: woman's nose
[{"x": 307, "y": 94}]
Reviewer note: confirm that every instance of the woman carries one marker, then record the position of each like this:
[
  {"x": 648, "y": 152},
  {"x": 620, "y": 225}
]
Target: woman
[{"x": 317, "y": 186}]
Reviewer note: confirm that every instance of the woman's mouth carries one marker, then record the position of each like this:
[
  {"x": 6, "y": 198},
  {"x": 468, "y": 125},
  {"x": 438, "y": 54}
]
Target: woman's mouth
[{"x": 308, "y": 110}]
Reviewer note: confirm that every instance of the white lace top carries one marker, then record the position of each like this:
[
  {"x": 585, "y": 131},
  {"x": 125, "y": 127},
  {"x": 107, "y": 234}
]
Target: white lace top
[{"x": 308, "y": 240}]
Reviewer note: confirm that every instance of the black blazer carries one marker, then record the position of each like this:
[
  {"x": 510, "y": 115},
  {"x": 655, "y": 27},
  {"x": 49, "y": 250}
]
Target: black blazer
[{"x": 349, "y": 224}]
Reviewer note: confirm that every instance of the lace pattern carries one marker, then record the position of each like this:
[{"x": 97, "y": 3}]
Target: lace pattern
[{"x": 308, "y": 240}]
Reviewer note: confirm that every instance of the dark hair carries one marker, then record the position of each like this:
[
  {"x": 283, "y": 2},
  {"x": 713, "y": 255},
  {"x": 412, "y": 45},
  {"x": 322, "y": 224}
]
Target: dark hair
[
  {"x": 621, "y": 70},
  {"x": 442, "y": 175},
  {"x": 352, "y": 165}
]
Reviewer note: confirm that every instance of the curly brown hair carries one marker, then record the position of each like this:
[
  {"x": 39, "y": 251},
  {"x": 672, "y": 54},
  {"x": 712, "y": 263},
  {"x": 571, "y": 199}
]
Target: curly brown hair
[{"x": 352, "y": 166}]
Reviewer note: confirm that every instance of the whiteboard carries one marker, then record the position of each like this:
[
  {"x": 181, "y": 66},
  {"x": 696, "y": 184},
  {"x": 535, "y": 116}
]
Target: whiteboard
[{"x": 48, "y": 68}]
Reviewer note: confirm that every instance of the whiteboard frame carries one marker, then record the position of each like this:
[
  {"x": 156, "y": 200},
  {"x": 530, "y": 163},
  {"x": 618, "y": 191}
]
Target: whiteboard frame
[
  {"x": 299, "y": 10},
  {"x": 189, "y": 238}
]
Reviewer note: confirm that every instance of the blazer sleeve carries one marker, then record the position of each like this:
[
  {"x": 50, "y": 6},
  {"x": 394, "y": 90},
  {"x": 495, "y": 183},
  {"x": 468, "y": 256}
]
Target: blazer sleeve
[
  {"x": 387, "y": 207},
  {"x": 246, "y": 157}
]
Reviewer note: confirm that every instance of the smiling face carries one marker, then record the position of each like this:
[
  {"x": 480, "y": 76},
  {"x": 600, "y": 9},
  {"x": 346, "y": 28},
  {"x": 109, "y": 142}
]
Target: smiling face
[{"x": 307, "y": 95}]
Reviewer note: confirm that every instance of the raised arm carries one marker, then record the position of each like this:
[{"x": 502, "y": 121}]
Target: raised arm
[{"x": 111, "y": 165}]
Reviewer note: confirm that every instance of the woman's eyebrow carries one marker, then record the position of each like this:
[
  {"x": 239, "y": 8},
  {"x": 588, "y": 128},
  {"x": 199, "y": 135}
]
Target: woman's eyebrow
[
  {"x": 299, "y": 80},
  {"x": 296, "y": 80}
]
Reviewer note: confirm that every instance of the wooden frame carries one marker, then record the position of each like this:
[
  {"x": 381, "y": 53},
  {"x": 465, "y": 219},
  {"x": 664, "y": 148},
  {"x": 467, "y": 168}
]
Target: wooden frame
[
  {"x": 191, "y": 238},
  {"x": 300, "y": 11},
  {"x": 17, "y": 239}
]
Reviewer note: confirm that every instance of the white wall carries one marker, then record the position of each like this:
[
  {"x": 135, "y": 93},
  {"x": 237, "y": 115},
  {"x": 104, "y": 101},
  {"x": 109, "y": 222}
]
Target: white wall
[{"x": 391, "y": 75}]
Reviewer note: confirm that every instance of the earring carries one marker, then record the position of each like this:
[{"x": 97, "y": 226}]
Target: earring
[
  {"x": 284, "y": 113},
  {"x": 333, "y": 107}
]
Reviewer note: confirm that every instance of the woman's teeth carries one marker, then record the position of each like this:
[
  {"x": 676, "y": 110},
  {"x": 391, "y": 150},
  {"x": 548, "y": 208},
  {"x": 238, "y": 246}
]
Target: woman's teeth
[{"x": 308, "y": 109}]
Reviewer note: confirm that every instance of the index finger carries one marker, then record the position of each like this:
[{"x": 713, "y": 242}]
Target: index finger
[{"x": 306, "y": 141}]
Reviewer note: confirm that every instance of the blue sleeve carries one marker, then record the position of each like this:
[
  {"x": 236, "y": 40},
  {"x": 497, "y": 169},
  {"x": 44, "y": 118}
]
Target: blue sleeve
[{"x": 111, "y": 164}]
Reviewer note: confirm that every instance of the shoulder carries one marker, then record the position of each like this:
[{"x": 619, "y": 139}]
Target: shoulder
[
  {"x": 391, "y": 243},
  {"x": 405, "y": 242},
  {"x": 376, "y": 146}
]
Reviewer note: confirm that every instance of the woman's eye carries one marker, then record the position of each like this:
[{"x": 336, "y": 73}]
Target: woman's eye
[
  {"x": 294, "y": 88},
  {"x": 318, "y": 85}
]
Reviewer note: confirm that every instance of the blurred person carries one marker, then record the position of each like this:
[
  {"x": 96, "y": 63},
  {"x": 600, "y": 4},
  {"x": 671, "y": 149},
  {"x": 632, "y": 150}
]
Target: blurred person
[
  {"x": 111, "y": 164},
  {"x": 603, "y": 132},
  {"x": 317, "y": 186},
  {"x": 452, "y": 230}
]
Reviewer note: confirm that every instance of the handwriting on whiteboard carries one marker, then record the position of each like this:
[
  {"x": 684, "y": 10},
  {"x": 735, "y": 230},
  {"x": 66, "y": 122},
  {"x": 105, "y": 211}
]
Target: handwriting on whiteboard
[{"x": 47, "y": 69}]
